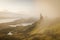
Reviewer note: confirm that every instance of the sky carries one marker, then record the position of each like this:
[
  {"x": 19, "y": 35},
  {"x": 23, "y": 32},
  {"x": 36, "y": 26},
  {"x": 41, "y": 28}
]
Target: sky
[
  {"x": 17, "y": 8},
  {"x": 29, "y": 8},
  {"x": 16, "y": 5}
]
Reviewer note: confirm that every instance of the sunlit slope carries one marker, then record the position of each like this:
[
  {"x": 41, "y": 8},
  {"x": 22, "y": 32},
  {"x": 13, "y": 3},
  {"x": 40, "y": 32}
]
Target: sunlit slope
[
  {"x": 44, "y": 25},
  {"x": 55, "y": 28},
  {"x": 50, "y": 32}
]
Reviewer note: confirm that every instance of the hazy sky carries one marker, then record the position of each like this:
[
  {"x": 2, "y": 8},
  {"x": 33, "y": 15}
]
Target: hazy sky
[
  {"x": 16, "y": 7},
  {"x": 29, "y": 8}
]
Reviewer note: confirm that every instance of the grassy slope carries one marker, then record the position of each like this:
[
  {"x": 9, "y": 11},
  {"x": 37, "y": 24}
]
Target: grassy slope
[{"x": 52, "y": 32}]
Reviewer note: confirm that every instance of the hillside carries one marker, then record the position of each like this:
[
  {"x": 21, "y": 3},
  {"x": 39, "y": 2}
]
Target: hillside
[
  {"x": 19, "y": 32},
  {"x": 43, "y": 29}
]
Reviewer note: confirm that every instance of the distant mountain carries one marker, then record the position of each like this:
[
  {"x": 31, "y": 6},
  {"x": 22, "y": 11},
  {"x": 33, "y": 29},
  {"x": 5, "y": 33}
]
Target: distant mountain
[
  {"x": 19, "y": 21},
  {"x": 7, "y": 15}
]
